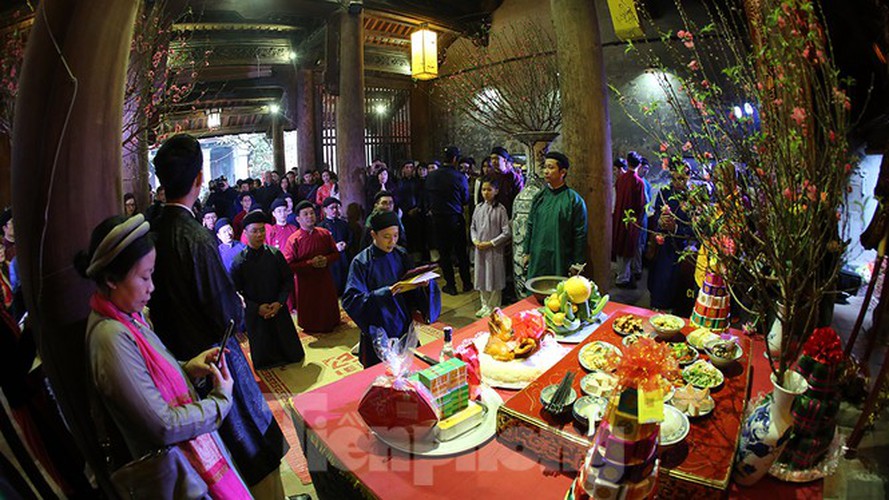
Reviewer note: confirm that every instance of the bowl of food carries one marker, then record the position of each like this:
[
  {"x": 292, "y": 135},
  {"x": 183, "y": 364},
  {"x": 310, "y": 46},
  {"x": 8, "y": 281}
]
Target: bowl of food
[
  {"x": 543, "y": 286},
  {"x": 723, "y": 352},
  {"x": 666, "y": 325}
]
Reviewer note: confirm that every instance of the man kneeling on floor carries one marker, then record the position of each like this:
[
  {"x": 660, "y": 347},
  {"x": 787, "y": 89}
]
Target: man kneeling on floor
[{"x": 373, "y": 295}]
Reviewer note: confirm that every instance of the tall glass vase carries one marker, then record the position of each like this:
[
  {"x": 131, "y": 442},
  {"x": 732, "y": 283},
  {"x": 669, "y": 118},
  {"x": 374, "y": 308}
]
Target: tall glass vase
[
  {"x": 538, "y": 144},
  {"x": 766, "y": 430}
]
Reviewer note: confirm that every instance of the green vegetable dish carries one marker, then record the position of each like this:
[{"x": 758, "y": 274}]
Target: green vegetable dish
[{"x": 703, "y": 375}]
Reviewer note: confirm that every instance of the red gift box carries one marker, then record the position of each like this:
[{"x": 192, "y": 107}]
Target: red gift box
[{"x": 399, "y": 409}]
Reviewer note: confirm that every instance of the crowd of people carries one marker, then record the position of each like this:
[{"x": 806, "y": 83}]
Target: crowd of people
[{"x": 252, "y": 254}]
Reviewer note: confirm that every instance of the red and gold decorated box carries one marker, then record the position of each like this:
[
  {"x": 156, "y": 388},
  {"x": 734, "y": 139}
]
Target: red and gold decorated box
[{"x": 701, "y": 464}]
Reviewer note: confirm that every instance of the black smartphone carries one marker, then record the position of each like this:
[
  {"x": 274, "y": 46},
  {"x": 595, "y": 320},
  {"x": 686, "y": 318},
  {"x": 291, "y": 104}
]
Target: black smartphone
[{"x": 228, "y": 334}]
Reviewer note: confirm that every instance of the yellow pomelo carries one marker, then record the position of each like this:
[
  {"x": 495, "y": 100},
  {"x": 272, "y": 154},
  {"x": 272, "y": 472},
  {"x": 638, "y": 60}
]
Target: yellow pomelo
[{"x": 578, "y": 289}]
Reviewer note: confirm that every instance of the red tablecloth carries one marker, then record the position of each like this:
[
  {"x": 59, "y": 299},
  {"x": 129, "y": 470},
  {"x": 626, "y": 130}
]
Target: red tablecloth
[{"x": 333, "y": 429}]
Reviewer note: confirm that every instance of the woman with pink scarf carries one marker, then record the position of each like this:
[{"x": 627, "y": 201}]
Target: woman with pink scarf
[{"x": 147, "y": 393}]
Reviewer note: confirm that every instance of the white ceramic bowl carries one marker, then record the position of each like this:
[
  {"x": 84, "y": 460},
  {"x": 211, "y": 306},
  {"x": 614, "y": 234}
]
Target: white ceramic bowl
[
  {"x": 664, "y": 331},
  {"x": 722, "y": 361}
]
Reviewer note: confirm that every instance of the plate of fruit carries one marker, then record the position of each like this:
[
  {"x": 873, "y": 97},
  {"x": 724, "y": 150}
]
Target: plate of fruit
[{"x": 575, "y": 302}]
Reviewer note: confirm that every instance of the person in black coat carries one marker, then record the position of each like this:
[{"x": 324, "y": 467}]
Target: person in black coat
[{"x": 448, "y": 192}]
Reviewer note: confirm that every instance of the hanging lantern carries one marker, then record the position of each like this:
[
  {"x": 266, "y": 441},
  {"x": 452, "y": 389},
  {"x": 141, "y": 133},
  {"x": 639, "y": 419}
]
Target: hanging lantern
[
  {"x": 625, "y": 19},
  {"x": 214, "y": 118},
  {"x": 424, "y": 54}
]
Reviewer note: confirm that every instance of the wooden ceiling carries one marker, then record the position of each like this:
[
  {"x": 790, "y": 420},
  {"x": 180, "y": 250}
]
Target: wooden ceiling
[{"x": 254, "y": 48}]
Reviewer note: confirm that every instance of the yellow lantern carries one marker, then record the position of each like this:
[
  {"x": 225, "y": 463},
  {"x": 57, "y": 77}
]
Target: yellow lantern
[
  {"x": 625, "y": 19},
  {"x": 424, "y": 54}
]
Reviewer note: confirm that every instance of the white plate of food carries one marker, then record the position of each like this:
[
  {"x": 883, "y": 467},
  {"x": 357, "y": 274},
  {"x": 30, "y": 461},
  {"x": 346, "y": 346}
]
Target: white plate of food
[
  {"x": 703, "y": 375},
  {"x": 469, "y": 440},
  {"x": 675, "y": 426},
  {"x": 693, "y": 402},
  {"x": 517, "y": 373},
  {"x": 627, "y": 324},
  {"x": 598, "y": 383},
  {"x": 684, "y": 353},
  {"x": 599, "y": 355},
  {"x": 701, "y": 336}
]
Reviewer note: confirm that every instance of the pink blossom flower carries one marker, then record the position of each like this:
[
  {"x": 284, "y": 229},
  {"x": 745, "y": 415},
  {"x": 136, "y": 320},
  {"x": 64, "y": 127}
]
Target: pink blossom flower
[
  {"x": 660, "y": 239},
  {"x": 686, "y": 146},
  {"x": 788, "y": 194},
  {"x": 705, "y": 84},
  {"x": 663, "y": 147},
  {"x": 693, "y": 65},
  {"x": 689, "y": 44},
  {"x": 728, "y": 245},
  {"x": 812, "y": 193},
  {"x": 847, "y": 168},
  {"x": 708, "y": 155},
  {"x": 798, "y": 115}
]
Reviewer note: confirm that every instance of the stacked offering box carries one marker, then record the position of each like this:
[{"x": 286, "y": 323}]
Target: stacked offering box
[
  {"x": 448, "y": 386},
  {"x": 713, "y": 305},
  {"x": 622, "y": 463}
]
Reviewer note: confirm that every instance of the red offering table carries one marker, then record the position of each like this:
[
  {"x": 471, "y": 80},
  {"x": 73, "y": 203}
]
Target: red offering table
[
  {"x": 345, "y": 459},
  {"x": 703, "y": 458}
]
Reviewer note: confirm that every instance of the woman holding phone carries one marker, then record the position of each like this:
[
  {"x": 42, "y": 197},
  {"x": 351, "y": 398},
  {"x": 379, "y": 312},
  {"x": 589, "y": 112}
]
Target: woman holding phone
[{"x": 147, "y": 392}]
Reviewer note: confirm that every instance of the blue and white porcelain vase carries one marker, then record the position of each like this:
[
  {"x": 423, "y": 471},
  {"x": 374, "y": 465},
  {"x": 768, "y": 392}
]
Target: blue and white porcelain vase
[{"x": 767, "y": 429}]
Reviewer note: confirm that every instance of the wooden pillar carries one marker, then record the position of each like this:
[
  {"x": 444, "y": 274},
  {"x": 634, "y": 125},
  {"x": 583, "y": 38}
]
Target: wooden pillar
[
  {"x": 350, "y": 157},
  {"x": 421, "y": 122},
  {"x": 306, "y": 129},
  {"x": 586, "y": 127},
  {"x": 67, "y": 162},
  {"x": 318, "y": 111},
  {"x": 278, "y": 142},
  {"x": 5, "y": 171}
]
